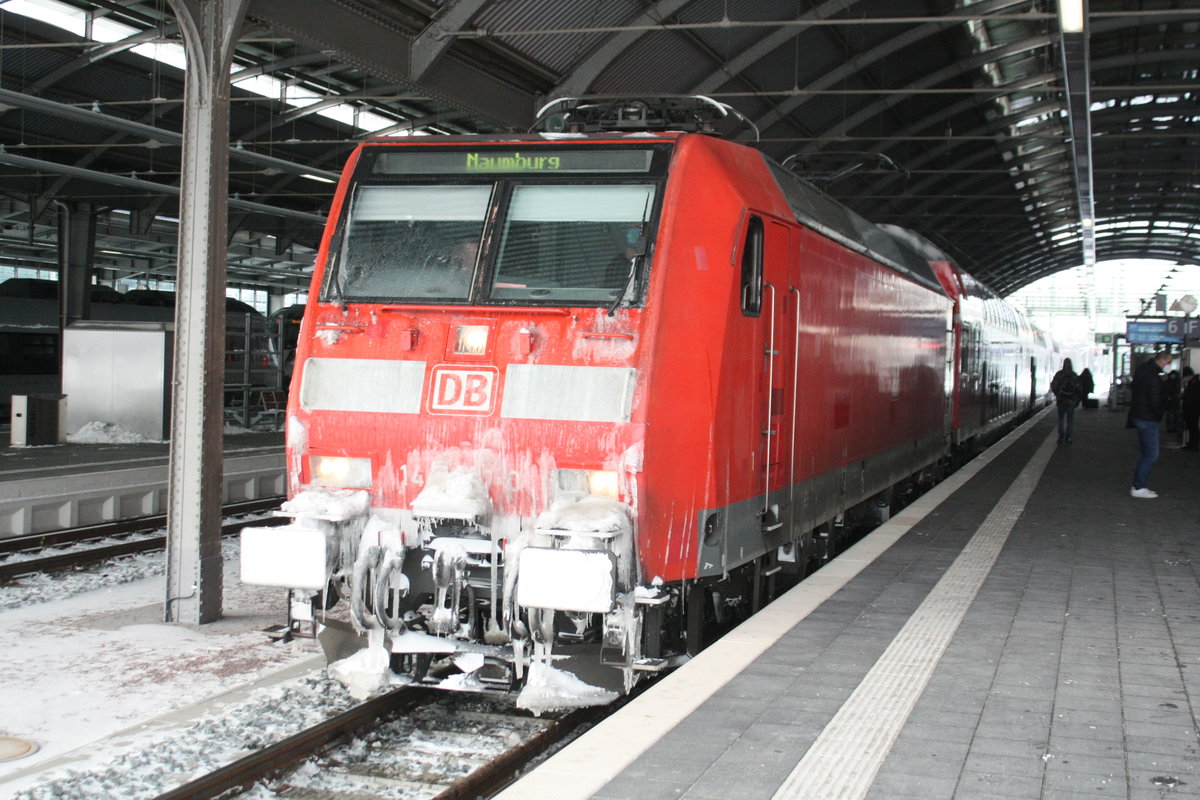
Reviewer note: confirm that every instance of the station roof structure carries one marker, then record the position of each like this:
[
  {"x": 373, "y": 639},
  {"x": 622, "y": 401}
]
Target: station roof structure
[{"x": 1018, "y": 148}]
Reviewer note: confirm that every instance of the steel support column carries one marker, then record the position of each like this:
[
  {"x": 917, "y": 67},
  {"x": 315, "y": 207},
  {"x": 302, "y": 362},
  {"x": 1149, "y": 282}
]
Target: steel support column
[
  {"x": 194, "y": 567},
  {"x": 76, "y": 257},
  {"x": 1076, "y": 60}
]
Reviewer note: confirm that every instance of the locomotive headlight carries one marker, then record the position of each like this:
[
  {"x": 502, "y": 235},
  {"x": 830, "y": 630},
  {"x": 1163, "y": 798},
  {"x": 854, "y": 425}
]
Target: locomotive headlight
[
  {"x": 471, "y": 340},
  {"x": 341, "y": 473},
  {"x": 603, "y": 483},
  {"x": 598, "y": 483}
]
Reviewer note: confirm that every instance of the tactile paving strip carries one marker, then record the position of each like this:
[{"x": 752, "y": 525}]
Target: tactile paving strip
[{"x": 843, "y": 761}]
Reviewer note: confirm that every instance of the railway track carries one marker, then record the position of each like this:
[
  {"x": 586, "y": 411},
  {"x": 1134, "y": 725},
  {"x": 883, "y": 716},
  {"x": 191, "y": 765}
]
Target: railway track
[
  {"x": 81, "y": 547},
  {"x": 413, "y": 743}
]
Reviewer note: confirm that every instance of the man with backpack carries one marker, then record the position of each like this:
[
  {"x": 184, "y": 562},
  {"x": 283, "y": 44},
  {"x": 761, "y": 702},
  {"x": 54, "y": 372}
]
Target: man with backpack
[{"x": 1067, "y": 392}]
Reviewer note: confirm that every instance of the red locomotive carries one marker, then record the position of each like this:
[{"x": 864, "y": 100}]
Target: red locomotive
[{"x": 559, "y": 392}]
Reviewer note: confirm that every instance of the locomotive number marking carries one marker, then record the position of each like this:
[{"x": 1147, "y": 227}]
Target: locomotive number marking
[{"x": 459, "y": 390}]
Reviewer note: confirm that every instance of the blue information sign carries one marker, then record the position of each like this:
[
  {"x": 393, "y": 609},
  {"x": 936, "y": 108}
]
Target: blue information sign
[{"x": 1149, "y": 332}]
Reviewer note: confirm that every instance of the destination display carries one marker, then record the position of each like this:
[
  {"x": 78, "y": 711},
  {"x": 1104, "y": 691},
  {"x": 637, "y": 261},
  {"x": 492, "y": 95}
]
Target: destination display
[{"x": 463, "y": 161}]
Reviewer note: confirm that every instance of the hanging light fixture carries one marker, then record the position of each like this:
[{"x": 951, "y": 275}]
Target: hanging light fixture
[{"x": 1071, "y": 15}]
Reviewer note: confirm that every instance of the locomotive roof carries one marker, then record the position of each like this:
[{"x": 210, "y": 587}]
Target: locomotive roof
[
  {"x": 902, "y": 250},
  {"x": 822, "y": 212}
]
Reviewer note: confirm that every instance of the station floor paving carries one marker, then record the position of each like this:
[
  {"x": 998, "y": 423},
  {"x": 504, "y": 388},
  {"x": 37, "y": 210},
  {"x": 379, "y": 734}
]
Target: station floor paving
[{"x": 1026, "y": 630}]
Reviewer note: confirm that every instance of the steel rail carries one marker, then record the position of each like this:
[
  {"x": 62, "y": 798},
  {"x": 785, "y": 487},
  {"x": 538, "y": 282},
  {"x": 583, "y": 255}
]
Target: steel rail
[
  {"x": 289, "y": 752},
  {"x": 274, "y": 760},
  {"x": 499, "y": 772},
  {"x": 60, "y": 561},
  {"x": 65, "y": 536}
]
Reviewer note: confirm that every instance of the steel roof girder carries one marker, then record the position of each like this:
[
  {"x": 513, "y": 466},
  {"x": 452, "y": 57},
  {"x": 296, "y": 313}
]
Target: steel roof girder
[
  {"x": 429, "y": 44},
  {"x": 145, "y": 185},
  {"x": 141, "y": 130},
  {"x": 385, "y": 51},
  {"x": 581, "y": 78}
]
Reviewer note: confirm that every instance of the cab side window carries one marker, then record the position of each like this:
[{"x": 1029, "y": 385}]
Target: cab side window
[{"x": 752, "y": 268}]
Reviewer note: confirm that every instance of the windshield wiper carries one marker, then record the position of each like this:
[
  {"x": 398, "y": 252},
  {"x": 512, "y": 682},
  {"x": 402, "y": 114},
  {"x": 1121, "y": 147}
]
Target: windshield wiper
[
  {"x": 639, "y": 252},
  {"x": 334, "y": 289},
  {"x": 629, "y": 280}
]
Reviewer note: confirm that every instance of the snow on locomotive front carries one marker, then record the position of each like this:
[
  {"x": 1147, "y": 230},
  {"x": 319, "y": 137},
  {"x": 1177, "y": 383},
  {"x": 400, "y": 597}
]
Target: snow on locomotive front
[{"x": 464, "y": 433}]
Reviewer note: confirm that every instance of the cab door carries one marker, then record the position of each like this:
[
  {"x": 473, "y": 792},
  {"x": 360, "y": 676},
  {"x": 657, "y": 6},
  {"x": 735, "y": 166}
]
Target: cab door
[
  {"x": 781, "y": 309},
  {"x": 767, "y": 293}
]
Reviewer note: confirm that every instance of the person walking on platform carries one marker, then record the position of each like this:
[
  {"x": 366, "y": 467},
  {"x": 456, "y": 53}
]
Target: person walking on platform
[
  {"x": 1146, "y": 412},
  {"x": 1191, "y": 408},
  {"x": 1087, "y": 385},
  {"x": 1067, "y": 393}
]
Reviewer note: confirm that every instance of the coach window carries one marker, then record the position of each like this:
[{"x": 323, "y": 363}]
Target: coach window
[
  {"x": 752, "y": 266},
  {"x": 965, "y": 358}
]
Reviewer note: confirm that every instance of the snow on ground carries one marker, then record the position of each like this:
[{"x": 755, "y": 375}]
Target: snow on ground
[
  {"x": 155, "y": 766},
  {"x": 91, "y": 673},
  {"x": 121, "y": 704},
  {"x": 87, "y": 655},
  {"x": 105, "y": 433},
  {"x": 100, "y": 432},
  {"x": 43, "y": 588}
]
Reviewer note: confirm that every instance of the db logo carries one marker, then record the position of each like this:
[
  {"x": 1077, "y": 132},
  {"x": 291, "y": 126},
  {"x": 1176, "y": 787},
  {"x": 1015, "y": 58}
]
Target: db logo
[{"x": 459, "y": 390}]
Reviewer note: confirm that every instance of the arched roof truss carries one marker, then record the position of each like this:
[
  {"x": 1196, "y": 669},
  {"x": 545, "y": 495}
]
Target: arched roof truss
[{"x": 1018, "y": 148}]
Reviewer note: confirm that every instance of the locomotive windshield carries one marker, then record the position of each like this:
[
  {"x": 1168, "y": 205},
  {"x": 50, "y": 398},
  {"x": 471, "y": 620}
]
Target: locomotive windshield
[
  {"x": 412, "y": 241},
  {"x": 572, "y": 243},
  {"x": 569, "y": 227}
]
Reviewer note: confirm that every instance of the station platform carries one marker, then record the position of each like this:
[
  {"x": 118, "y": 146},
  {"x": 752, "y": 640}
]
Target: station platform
[
  {"x": 52, "y": 460},
  {"x": 51, "y": 487},
  {"x": 1024, "y": 630}
]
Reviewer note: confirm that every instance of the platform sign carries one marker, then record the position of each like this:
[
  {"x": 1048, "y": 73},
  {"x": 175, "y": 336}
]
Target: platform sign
[
  {"x": 1148, "y": 332},
  {"x": 1179, "y": 328}
]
